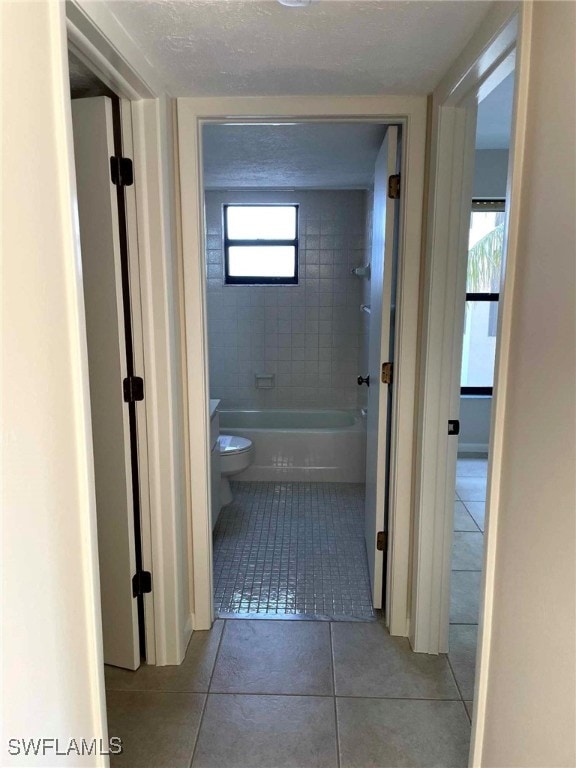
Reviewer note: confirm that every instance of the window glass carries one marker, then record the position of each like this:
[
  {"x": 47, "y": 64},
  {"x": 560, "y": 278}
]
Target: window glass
[
  {"x": 485, "y": 247},
  {"x": 485, "y": 251},
  {"x": 261, "y": 261},
  {"x": 479, "y": 347},
  {"x": 267, "y": 222},
  {"x": 261, "y": 244}
]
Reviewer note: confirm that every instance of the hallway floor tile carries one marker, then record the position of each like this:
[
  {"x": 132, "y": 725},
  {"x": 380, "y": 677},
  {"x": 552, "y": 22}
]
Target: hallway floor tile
[
  {"x": 467, "y": 564},
  {"x": 267, "y": 732},
  {"x": 274, "y": 657},
  {"x": 158, "y": 729},
  {"x": 388, "y": 733},
  {"x": 392, "y": 707},
  {"x": 368, "y": 662}
]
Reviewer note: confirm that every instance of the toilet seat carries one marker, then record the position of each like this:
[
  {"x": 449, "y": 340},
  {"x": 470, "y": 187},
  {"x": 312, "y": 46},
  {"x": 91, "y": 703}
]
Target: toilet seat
[{"x": 231, "y": 445}]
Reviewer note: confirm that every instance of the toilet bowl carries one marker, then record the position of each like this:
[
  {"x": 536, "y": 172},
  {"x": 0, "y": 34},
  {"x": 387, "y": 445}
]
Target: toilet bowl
[{"x": 236, "y": 455}]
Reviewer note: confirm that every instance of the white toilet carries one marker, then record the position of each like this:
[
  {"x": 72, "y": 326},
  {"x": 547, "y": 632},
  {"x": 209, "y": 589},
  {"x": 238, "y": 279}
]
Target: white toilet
[{"x": 236, "y": 455}]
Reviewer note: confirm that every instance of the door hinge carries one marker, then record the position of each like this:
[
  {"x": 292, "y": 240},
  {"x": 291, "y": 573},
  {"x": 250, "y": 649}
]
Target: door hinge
[
  {"x": 381, "y": 541},
  {"x": 133, "y": 389},
  {"x": 394, "y": 186},
  {"x": 387, "y": 369},
  {"x": 121, "y": 171},
  {"x": 453, "y": 427},
  {"x": 141, "y": 583}
]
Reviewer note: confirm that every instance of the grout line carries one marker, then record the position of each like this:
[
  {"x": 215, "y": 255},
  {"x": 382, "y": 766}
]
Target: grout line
[
  {"x": 333, "y": 662},
  {"x": 455, "y": 679},
  {"x": 330, "y": 696},
  {"x": 206, "y": 699}
]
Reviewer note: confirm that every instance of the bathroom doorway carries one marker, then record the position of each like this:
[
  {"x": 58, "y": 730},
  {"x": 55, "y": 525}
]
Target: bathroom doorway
[{"x": 301, "y": 244}]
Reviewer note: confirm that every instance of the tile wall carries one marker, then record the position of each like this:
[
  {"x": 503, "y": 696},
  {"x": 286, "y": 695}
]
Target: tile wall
[{"x": 310, "y": 336}]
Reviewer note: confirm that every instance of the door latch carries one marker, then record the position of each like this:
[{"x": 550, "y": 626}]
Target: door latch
[
  {"x": 453, "y": 427},
  {"x": 381, "y": 541}
]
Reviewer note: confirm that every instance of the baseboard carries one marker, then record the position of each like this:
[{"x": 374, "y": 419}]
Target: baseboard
[
  {"x": 187, "y": 632},
  {"x": 478, "y": 450}
]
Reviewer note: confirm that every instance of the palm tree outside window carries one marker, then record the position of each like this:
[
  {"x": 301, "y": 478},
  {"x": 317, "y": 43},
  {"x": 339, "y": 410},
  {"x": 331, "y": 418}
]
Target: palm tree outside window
[{"x": 486, "y": 242}]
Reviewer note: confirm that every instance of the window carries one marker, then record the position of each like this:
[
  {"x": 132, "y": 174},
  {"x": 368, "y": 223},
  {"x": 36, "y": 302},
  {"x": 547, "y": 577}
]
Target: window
[
  {"x": 261, "y": 244},
  {"x": 485, "y": 247}
]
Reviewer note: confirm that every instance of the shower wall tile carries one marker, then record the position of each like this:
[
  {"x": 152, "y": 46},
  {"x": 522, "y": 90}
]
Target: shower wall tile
[{"x": 311, "y": 336}]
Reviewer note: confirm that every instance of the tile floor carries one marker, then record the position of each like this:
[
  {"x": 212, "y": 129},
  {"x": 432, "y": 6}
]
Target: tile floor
[
  {"x": 296, "y": 694},
  {"x": 293, "y": 550},
  {"x": 467, "y": 560}
]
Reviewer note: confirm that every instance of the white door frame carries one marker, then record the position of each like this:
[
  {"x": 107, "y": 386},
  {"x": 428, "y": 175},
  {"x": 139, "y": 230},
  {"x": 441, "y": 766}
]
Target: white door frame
[
  {"x": 410, "y": 112},
  {"x": 500, "y": 46},
  {"x": 96, "y": 38}
]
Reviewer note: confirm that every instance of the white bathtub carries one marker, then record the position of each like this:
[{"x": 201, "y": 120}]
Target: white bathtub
[{"x": 301, "y": 445}]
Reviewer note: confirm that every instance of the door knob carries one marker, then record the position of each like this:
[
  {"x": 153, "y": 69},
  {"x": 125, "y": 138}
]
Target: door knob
[{"x": 364, "y": 381}]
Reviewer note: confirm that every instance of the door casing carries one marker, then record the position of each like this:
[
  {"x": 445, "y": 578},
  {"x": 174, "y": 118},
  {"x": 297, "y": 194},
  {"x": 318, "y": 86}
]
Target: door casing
[
  {"x": 410, "y": 113},
  {"x": 501, "y": 44}
]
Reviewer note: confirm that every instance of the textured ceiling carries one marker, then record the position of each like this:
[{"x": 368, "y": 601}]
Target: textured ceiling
[
  {"x": 331, "y": 156},
  {"x": 259, "y": 47},
  {"x": 495, "y": 117}
]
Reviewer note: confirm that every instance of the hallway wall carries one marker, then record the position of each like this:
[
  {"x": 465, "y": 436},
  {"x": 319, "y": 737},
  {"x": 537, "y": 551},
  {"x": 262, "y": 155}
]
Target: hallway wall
[
  {"x": 531, "y": 665},
  {"x": 52, "y": 645},
  {"x": 308, "y": 335}
]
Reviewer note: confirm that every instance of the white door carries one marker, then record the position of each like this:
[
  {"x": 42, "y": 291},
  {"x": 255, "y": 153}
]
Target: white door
[
  {"x": 101, "y": 268},
  {"x": 382, "y": 289}
]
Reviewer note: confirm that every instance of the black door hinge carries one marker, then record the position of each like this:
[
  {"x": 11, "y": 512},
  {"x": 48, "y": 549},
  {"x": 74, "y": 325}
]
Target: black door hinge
[
  {"x": 381, "y": 541},
  {"x": 133, "y": 389},
  {"x": 121, "y": 171},
  {"x": 141, "y": 583},
  {"x": 453, "y": 427},
  {"x": 394, "y": 186}
]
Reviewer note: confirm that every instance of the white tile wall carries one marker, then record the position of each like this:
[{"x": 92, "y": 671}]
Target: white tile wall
[{"x": 309, "y": 335}]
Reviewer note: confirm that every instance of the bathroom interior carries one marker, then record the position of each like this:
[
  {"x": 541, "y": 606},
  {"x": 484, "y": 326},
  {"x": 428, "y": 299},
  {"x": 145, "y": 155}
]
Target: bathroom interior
[
  {"x": 289, "y": 357},
  {"x": 288, "y": 330}
]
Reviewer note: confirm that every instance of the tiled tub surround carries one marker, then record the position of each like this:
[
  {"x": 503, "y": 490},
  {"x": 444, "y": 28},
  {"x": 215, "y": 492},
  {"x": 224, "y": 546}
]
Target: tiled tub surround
[
  {"x": 307, "y": 335},
  {"x": 293, "y": 550},
  {"x": 276, "y": 694},
  {"x": 303, "y": 445}
]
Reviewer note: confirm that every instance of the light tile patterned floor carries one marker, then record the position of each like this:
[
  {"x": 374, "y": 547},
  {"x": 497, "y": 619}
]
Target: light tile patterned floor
[
  {"x": 293, "y": 550},
  {"x": 467, "y": 558}
]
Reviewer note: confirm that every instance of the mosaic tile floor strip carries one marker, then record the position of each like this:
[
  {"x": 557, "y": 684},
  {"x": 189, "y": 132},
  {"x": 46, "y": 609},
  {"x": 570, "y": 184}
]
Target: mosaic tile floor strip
[{"x": 293, "y": 550}]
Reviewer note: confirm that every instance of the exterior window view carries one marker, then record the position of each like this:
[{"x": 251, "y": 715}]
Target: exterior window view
[
  {"x": 483, "y": 280},
  {"x": 289, "y": 354},
  {"x": 261, "y": 244}
]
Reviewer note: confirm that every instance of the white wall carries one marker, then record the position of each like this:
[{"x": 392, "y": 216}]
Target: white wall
[
  {"x": 474, "y": 425},
  {"x": 490, "y": 173},
  {"x": 307, "y": 335},
  {"x": 51, "y": 642},
  {"x": 530, "y": 662}
]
